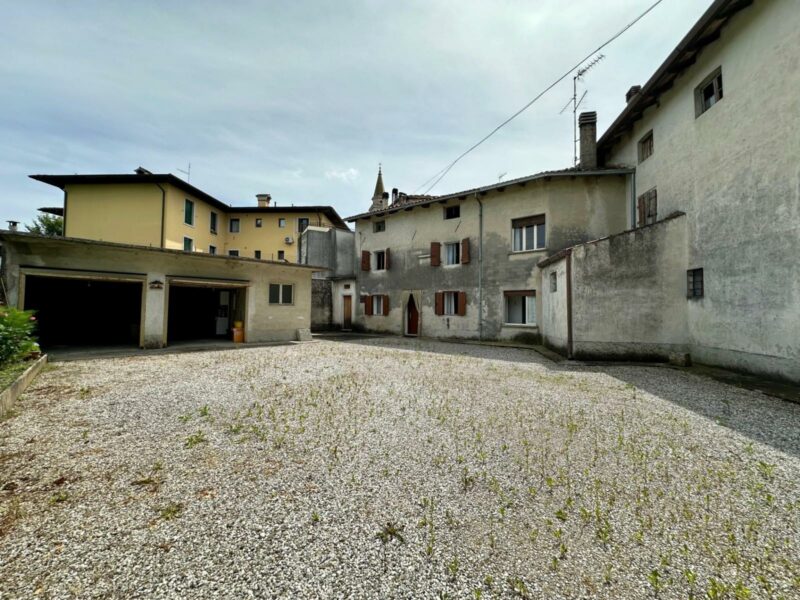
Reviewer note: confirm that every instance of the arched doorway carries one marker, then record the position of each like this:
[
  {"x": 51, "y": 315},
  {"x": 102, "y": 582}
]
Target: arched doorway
[{"x": 412, "y": 316}]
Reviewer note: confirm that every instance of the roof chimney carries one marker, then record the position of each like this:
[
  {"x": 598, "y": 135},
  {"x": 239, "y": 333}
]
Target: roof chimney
[
  {"x": 12, "y": 225},
  {"x": 142, "y": 171},
  {"x": 635, "y": 89},
  {"x": 587, "y": 123},
  {"x": 263, "y": 200}
]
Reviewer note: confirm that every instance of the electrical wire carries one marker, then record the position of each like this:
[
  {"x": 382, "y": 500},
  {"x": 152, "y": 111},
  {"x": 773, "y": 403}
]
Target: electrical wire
[{"x": 442, "y": 172}]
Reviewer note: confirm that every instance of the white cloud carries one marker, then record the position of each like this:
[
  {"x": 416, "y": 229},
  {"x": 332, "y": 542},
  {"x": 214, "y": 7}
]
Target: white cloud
[{"x": 344, "y": 175}]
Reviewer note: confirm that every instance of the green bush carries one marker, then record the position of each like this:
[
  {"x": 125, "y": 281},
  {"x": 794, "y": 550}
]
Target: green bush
[{"x": 16, "y": 333}]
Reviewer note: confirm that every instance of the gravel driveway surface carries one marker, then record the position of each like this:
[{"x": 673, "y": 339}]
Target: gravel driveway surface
[{"x": 390, "y": 468}]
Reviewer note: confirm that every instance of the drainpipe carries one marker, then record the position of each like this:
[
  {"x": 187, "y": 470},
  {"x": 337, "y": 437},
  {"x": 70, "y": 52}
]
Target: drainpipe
[
  {"x": 163, "y": 213},
  {"x": 569, "y": 303},
  {"x": 633, "y": 200},
  {"x": 480, "y": 267}
]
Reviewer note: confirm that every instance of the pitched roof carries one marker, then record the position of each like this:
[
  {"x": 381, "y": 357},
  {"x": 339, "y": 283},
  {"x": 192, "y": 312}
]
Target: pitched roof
[
  {"x": 704, "y": 32},
  {"x": 60, "y": 181},
  {"x": 415, "y": 201}
]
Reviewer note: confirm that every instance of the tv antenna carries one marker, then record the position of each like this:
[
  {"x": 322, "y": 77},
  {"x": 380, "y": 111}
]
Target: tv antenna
[
  {"x": 576, "y": 102},
  {"x": 187, "y": 172},
  {"x": 501, "y": 175}
]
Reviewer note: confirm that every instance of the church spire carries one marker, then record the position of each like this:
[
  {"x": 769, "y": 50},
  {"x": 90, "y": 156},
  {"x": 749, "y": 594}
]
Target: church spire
[{"x": 380, "y": 199}]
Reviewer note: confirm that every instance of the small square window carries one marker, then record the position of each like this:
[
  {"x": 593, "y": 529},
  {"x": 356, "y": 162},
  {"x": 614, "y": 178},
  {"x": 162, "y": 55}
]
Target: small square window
[
  {"x": 281, "y": 254},
  {"x": 281, "y": 222},
  {"x": 452, "y": 253},
  {"x": 212, "y": 249},
  {"x": 233, "y": 253},
  {"x": 646, "y": 147},
  {"x": 280, "y": 293},
  {"x": 694, "y": 283},
  {"x": 553, "y": 282},
  {"x": 258, "y": 254},
  {"x": 234, "y": 226},
  {"x": 708, "y": 93},
  {"x": 380, "y": 260},
  {"x": 452, "y": 212},
  {"x": 259, "y": 222},
  {"x": 378, "y": 226},
  {"x": 528, "y": 233},
  {"x": 188, "y": 212},
  {"x": 188, "y": 244}
]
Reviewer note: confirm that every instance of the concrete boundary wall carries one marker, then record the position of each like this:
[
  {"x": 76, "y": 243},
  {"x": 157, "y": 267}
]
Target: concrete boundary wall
[{"x": 10, "y": 395}]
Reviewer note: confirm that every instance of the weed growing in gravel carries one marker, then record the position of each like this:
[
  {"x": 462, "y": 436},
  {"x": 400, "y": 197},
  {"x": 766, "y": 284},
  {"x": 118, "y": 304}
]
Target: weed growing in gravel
[
  {"x": 194, "y": 439},
  {"x": 59, "y": 497},
  {"x": 390, "y": 532},
  {"x": 171, "y": 511},
  {"x": 452, "y": 569}
]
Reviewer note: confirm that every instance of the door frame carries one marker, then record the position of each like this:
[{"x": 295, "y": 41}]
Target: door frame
[{"x": 408, "y": 297}]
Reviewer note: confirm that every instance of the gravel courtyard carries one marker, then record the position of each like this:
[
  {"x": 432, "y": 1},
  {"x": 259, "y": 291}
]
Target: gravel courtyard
[{"x": 390, "y": 468}]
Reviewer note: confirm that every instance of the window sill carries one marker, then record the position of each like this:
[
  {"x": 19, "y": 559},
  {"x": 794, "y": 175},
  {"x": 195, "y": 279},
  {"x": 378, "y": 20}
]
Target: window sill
[
  {"x": 515, "y": 252},
  {"x": 522, "y": 325}
]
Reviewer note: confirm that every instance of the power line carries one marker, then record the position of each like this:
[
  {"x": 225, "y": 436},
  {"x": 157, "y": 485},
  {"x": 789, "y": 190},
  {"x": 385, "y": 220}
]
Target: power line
[{"x": 441, "y": 173}]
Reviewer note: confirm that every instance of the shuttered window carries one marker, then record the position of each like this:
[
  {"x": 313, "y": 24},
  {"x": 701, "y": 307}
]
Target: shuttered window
[
  {"x": 188, "y": 212},
  {"x": 694, "y": 283},
  {"x": 380, "y": 260},
  {"x": 450, "y": 304},
  {"x": 436, "y": 254},
  {"x": 376, "y": 304},
  {"x": 647, "y": 208},
  {"x": 465, "y": 251},
  {"x": 365, "y": 259},
  {"x": 528, "y": 233},
  {"x": 452, "y": 253}
]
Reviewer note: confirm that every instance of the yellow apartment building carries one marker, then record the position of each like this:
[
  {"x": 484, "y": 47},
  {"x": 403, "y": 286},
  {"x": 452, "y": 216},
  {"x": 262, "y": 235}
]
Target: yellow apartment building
[{"x": 164, "y": 211}]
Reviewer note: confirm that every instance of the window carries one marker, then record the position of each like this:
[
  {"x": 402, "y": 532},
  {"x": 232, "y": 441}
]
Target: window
[
  {"x": 708, "y": 93},
  {"x": 528, "y": 233},
  {"x": 259, "y": 222},
  {"x": 378, "y": 226},
  {"x": 553, "y": 282},
  {"x": 452, "y": 253},
  {"x": 694, "y": 283},
  {"x": 213, "y": 222},
  {"x": 452, "y": 212},
  {"x": 233, "y": 253},
  {"x": 377, "y": 305},
  {"x": 281, "y": 222},
  {"x": 281, "y": 254},
  {"x": 646, "y": 146},
  {"x": 380, "y": 260},
  {"x": 302, "y": 224},
  {"x": 520, "y": 307},
  {"x": 188, "y": 244},
  {"x": 212, "y": 249},
  {"x": 258, "y": 254},
  {"x": 280, "y": 293},
  {"x": 188, "y": 212},
  {"x": 647, "y": 207},
  {"x": 234, "y": 228},
  {"x": 451, "y": 303}
]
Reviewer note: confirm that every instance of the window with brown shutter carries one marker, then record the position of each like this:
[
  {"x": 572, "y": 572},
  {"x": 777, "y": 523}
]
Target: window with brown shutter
[
  {"x": 438, "y": 307},
  {"x": 465, "y": 251},
  {"x": 385, "y": 304},
  {"x": 368, "y": 306},
  {"x": 453, "y": 303},
  {"x": 647, "y": 207},
  {"x": 365, "y": 258},
  {"x": 387, "y": 259},
  {"x": 380, "y": 260},
  {"x": 436, "y": 254},
  {"x": 462, "y": 304}
]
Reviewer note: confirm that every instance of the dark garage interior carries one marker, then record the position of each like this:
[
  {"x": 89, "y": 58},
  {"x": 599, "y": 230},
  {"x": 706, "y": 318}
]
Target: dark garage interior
[
  {"x": 84, "y": 312},
  {"x": 200, "y": 313}
]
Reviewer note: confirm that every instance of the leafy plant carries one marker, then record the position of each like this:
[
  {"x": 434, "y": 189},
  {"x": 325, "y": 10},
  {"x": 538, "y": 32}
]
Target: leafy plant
[
  {"x": 16, "y": 333},
  {"x": 194, "y": 439}
]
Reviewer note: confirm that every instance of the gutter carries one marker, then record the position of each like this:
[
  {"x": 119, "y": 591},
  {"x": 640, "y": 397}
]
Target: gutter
[{"x": 163, "y": 213}]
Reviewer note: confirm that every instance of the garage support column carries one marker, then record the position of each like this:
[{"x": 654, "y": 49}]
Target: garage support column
[{"x": 155, "y": 310}]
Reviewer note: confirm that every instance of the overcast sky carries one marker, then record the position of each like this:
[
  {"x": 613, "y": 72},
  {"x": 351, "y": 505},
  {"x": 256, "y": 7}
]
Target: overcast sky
[{"x": 303, "y": 99}]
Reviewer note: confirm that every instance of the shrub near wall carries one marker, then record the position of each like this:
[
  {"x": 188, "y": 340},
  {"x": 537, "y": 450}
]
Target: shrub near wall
[{"x": 16, "y": 334}]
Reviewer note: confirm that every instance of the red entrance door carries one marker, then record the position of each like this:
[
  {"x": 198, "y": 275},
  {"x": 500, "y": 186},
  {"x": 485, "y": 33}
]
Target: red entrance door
[{"x": 412, "y": 317}]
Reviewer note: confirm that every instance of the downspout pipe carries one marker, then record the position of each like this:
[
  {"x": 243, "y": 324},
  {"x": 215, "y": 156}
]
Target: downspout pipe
[
  {"x": 569, "y": 304},
  {"x": 163, "y": 214},
  {"x": 480, "y": 267}
]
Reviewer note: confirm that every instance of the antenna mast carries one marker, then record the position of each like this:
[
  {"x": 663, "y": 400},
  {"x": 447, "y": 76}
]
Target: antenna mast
[
  {"x": 576, "y": 103},
  {"x": 187, "y": 172}
]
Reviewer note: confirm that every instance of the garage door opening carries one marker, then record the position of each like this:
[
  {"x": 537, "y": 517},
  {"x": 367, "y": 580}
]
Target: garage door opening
[
  {"x": 84, "y": 312},
  {"x": 203, "y": 313}
]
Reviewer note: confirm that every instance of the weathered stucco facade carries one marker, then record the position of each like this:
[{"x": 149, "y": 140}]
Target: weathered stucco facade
[
  {"x": 734, "y": 170},
  {"x": 574, "y": 206}
]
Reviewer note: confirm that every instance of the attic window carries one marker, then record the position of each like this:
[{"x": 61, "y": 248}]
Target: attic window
[
  {"x": 452, "y": 212},
  {"x": 646, "y": 146},
  {"x": 708, "y": 93},
  {"x": 379, "y": 226}
]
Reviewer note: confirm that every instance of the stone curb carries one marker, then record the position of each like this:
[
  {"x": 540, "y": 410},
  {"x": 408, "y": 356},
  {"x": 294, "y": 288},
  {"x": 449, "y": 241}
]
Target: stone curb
[{"x": 9, "y": 395}]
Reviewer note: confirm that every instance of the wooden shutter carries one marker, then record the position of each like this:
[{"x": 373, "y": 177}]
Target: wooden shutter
[
  {"x": 385, "y": 304},
  {"x": 465, "y": 251},
  {"x": 368, "y": 306},
  {"x": 640, "y": 205},
  {"x": 386, "y": 260},
  {"x": 439, "y": 303},
  {"x": 436, "y": 254},
  {"x": 365, "y": 260},
  {"x": 462, "y": 304}
]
